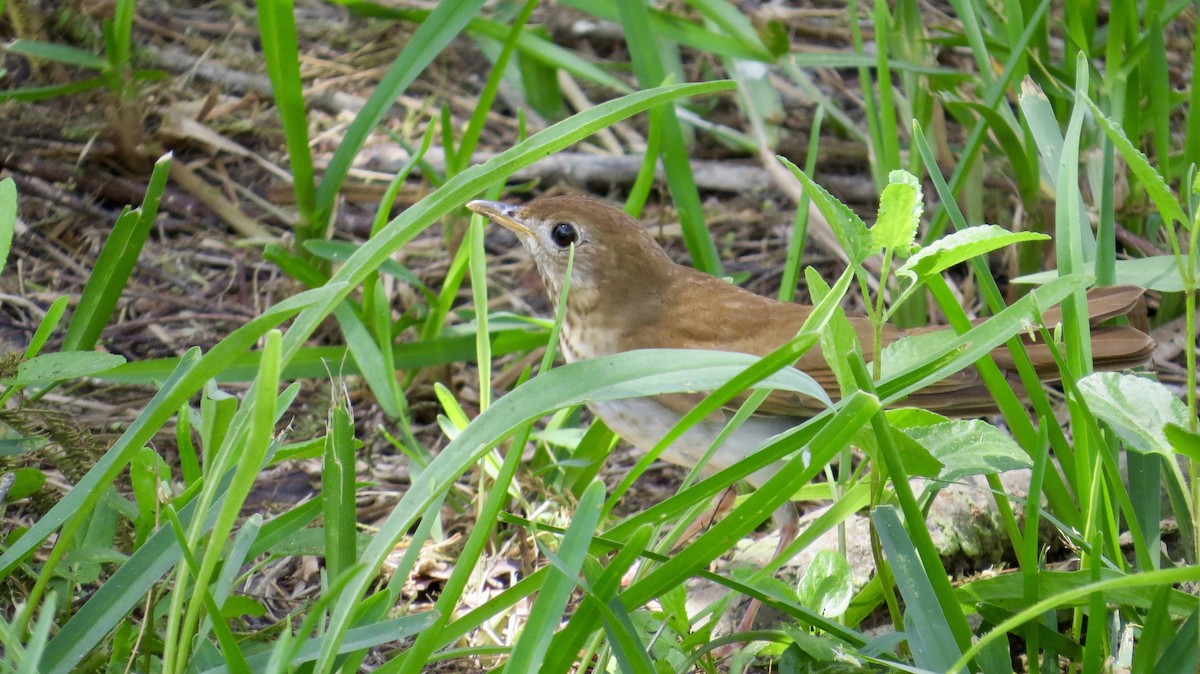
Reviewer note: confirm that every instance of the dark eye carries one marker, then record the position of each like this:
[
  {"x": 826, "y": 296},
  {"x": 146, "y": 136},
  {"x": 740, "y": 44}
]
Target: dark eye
[{"x": 564, "y": 234}]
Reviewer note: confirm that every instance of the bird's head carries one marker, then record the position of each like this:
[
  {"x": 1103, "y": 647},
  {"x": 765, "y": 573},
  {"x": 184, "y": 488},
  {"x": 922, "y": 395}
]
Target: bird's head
[{"x": 614, "y": 259}]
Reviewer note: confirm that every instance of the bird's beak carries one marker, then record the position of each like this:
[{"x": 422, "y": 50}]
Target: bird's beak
[{"x": 503, "y": 214}]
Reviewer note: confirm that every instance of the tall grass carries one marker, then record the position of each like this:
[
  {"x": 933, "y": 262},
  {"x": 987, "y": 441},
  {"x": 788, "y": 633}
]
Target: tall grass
[{"x": 1055, "y": 97}]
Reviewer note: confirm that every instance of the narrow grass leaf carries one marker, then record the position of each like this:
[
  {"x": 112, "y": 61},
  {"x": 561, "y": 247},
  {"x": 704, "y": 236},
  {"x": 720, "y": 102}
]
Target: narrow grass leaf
[
  {"x": 648, "y": 53},
  {"x": 670, "y": 27},
  {"x": 193, "y": 371},
  {"x": 316, "y": 362},
  {"x": 8, "y": 217},
  {"x": 1182, "y": 656},
  {"x": 32, "y": 94},
  {"x": 368, "y": 359},
  {"x": 529, "y": 652},
  {"x": 337, "y": 489},
  {"x": 1157, "y": 272},
  {"x": 530, "y": 44},
  {"x": 114, "y": 265},
  {"x": 34, "y": 644},
  {"x": 277, "y": 32},
  {"x": 924, "y": 617},
  {"x": 47, "y": 326},
  {"x": 248, "y": 454},
  {"x": 446, "y": 21},
  {"x": 1110, "y": 587},
  {"x": 60, "y": 53},
  {"x": 1024, "y": 168}
]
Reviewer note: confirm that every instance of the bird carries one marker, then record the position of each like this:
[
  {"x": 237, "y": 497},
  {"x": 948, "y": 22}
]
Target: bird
[{"x": 626, "y": 293}]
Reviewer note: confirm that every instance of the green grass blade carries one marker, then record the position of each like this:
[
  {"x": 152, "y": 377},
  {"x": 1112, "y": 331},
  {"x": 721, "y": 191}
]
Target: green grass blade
[
  {"x": 646, "y": 51},
  {"x": 491, "y": 88},
  {"x": 851, "y": 414},
  {"x": 114, "y": 265},
  {"x": 59, "y": 53},
  {"x": 277, "y": 31},
  {"x": 446, "y": 21},
  {"x": 313, "y": 362},
  {"x": 337, "y": 489},
  {"x": 8, "y": 217},
  {"x": 531, "y": 647},
  {"x": 193, "y": 371},
  {"x": 368, "y": 359},
  {"x": 925, "y": 620},
  {"x": 1105, "y": 587}
]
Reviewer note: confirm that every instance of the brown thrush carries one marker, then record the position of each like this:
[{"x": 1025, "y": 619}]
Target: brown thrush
[{"x": 626, "y": 293}]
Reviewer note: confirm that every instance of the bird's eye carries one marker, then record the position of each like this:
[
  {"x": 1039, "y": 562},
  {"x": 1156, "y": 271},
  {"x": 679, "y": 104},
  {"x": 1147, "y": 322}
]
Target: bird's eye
[{"x": 564, "y": 234}]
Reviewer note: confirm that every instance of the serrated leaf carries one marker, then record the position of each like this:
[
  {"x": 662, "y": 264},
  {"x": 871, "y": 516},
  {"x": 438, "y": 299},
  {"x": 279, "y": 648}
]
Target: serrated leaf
[
  {"x": 1157, "y": 188},
  {"x": 851, "y": 232},
  {"x": 1137, "y": 408},
  {"x": 969, "y": 447},
  {"x": 900, "y": 208},
  {"x": 960, "y": 247},
  {"x": 52, "y": 367},
  {"x": 827, "y": 584}
]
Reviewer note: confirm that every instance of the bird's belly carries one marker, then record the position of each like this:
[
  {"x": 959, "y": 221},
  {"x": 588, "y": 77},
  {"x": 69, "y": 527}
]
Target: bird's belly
[{"x": 642, "y": 422}]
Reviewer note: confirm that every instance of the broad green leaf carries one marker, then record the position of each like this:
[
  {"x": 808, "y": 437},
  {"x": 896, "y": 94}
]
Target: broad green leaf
[
  {"x": 913, "y": 417},
  {"x": 239, "y": 605},
  {"x": 969, "y": 447},
  {"x": 959, "y": 247},
  {"x": 900, "y": 209},
  {"x": 1137, "y": 408},
  {"x": 1184, "y": 441},
  {"x": 52, "y": 367},
  {"x": 827, "y": 584},
  {"x": 26, "y": 481}
]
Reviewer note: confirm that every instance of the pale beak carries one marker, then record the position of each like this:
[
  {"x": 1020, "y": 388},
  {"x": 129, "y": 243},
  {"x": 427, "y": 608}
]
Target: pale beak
[{"x": 502, "y": 214}]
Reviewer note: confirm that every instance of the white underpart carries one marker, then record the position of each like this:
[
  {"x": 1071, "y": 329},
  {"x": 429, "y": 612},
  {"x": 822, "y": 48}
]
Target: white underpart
[{"x": 644, "y": 421}]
